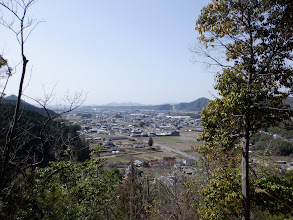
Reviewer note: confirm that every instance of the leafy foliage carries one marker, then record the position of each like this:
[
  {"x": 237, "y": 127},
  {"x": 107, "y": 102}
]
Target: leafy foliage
[
  {"x": 257, "y": 46},
  {"x": 269, "y": 146},
  {"x": 256, "y": 78},
  {"x": 64, "y": 190},
  {"x": 283, "y": 132},
  {"x": 5, "y": 71},
  {"x": 37, "y": 142},
  {"x": 271, "y": 193},
  {"x": 274, "y": 191},
  {"x": 222, "y": 198}
]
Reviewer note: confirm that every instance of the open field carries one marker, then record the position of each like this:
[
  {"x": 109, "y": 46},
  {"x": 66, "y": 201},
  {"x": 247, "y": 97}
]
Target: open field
[
  {"x": 181, "y": 143},
  {"x": 172, "y": 139},
  {"x": 142, "y": 156},
  {"x": 127, "y": 153}
]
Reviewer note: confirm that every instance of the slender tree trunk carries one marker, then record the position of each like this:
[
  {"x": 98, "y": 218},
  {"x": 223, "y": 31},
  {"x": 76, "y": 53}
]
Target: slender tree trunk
[
  {"x": 245, "y": 170},
  {"x": 11, "y": 132}
]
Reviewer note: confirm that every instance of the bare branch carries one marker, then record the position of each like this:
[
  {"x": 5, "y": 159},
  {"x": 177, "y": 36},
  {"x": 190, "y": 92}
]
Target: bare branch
[
  {"x": 10, "y": 8},
  {"x": 57, "y": 171},
  {"x": 33, "y": 28}
]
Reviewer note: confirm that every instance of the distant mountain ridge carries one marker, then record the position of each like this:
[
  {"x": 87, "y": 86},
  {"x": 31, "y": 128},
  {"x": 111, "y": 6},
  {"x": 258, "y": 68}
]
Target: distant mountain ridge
[
  {"x": 196, "y": 105},
  {"x": 12, "y": 99},
  {"x": 123, "y": 104}
]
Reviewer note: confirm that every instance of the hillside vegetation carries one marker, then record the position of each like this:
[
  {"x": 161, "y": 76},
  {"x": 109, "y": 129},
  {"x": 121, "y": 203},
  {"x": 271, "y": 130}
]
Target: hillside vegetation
[
  {"x": 196, "y": 105},
  {"x": 40, "y": 139},
  {"x": 12, "y": 99}
]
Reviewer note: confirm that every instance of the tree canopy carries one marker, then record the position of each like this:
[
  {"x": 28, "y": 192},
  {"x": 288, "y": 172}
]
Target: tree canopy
[{"x": 256, "y": 74}]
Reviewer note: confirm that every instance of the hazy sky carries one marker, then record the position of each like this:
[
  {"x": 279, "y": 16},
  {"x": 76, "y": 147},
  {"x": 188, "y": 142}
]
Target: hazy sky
[{"x": 113, "y": 50}]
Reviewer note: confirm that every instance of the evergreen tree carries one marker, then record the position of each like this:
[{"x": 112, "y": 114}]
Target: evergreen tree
[
  {"x": 150, "y": 142},
  {"x": 256, "y": 77}
]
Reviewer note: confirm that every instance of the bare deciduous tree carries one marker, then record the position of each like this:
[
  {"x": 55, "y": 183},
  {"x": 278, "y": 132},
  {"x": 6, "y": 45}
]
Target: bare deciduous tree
[{"x": 25, "y": 147}]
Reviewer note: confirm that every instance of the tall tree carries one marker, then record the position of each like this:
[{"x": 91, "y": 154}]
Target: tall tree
[
  {"x": 19, "y": 24},
  {"x": 14, "y": 152},
  {"x": 256, "y": 76},
  {"x": 151, "y": 141},
  {"x": 131, "y": 202}
]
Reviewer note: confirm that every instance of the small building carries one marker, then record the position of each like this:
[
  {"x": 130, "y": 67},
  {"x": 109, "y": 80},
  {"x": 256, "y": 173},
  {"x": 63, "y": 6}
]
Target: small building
[
  {"x": 144, "y": 134},
  {"x": 117, "y": 138},
  {"x": 153, "y": 163},
  {"x": 138, "y": 163},
  {"x": 188, "y": 162},
  {"x": 170, "y": 162},
  {"x": 165, "y": 128},
  {"x": 124, "y": 130},
  {"x": 108, "y": 143},
  {"x": 151, "y": 134},
  {"x": 92, "y": 130}
]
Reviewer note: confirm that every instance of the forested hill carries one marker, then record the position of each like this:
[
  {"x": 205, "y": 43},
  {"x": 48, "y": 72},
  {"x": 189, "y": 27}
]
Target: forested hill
[
  {"x": 39, "y": 138},
  {"x": 12, "y": 99},
  {"x": 200, "y": 103},
  {"x": 196, "y": 105}
]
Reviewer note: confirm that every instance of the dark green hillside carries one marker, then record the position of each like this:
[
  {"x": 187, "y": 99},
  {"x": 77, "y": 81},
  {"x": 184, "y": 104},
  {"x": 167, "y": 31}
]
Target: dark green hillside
[
  {"x": 38, "y": 139},
  {"x": 196, "y": 105},
  {"x": 12, "y": 99},
  {"x": 281, "y": 145}
]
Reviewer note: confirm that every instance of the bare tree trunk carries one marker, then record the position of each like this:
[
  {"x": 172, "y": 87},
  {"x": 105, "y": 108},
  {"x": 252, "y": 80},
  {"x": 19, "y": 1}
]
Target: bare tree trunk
[
  {"x": 245, "y": 170},
  {"x": 22, "y": 25},
  {"x": 11, "y": 131}
]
